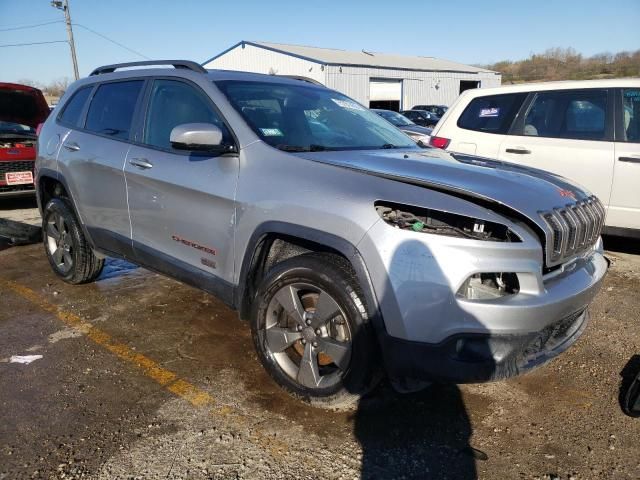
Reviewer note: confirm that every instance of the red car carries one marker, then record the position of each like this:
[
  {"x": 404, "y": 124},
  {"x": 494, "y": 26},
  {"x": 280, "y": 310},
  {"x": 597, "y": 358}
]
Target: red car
[{"x": 22, "y": 109}]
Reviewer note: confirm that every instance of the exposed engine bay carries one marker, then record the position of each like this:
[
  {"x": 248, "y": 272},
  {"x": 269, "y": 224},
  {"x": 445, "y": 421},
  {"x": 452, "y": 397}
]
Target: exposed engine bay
[{"x": 443, "y": 223}]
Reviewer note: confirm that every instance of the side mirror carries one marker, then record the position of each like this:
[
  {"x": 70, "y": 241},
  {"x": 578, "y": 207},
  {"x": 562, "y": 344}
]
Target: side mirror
[
  {"x": 202, "y": 137},
  {"x": 630, "y": 387}
]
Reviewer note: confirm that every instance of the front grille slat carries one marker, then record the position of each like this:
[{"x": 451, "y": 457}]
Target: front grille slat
[{"x": 572, "y": 229}]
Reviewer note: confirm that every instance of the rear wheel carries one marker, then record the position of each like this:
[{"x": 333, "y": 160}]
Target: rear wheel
[
  {"x": 309, "y": 327},
  {"x": 67, "y": 249}
]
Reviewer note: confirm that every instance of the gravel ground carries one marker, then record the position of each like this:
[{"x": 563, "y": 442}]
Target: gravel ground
[{"x": 143, "y": 377}]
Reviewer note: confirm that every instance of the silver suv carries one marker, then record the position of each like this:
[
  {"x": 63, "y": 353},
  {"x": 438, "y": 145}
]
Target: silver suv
[{"x": 350, "y": 250}]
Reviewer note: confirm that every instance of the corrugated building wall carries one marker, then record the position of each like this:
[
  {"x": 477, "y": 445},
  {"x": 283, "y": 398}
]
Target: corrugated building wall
[
  {"x": 418, "y": 87},
  {"x": 436, "y": 88},
  {"x": 248, "y": 58}
]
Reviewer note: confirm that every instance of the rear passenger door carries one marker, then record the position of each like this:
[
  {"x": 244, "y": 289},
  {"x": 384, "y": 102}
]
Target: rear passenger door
[
  {"x": 92, "y": 160},
  {"x": 567, "y": 132},
  {"x": 182, "y": 203},
  {"x": 624, "y": 207}
]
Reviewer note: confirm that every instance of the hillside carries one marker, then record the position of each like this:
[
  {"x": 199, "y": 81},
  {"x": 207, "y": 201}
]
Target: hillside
[{"x": 567, "y": 64}]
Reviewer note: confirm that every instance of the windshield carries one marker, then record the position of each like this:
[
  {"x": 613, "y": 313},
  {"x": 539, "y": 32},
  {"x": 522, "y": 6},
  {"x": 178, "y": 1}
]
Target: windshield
[
  {"x": 307, "y": 118},
  {"x": 397, "y": 119}
]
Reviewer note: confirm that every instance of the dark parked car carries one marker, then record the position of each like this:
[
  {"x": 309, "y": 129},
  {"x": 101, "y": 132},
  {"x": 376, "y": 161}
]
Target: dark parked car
[
  {"x": 438, "y": 110},
  {"x": 421, "y": 117},
  {"x": 420, "y": 135},
  {"x": 22, "y": 109}
]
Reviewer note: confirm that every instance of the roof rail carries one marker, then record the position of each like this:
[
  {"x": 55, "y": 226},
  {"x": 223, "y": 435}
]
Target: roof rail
[
  {"x": 302, "y": 79},
  {"x": 186, "y": 64}
]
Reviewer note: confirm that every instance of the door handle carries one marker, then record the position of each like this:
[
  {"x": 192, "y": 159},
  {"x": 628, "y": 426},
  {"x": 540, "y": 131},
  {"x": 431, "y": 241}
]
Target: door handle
[
  {"x": 629, "y": 159},
  {"x": 518, "y": 150},
  {"x": 71, "y": 146},
  {"x": 141, "y": 163}
]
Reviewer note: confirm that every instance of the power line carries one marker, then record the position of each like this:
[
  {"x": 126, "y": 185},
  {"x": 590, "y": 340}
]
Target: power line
[
  {"x": 22, "y": 24},
  {"x": 29, "y": 26},
  {"x": 111, "y": 40},
  {"x": 32, "y": 43}
]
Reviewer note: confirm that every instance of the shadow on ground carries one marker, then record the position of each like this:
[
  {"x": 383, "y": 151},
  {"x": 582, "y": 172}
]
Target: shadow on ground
[{"x": 419, "y": 435}]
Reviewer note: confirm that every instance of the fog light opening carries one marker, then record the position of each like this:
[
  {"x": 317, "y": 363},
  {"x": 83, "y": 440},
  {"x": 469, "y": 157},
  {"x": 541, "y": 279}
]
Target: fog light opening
[{"x": 489, "y": 286}]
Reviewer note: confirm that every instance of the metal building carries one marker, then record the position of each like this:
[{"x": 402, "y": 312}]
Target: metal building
[{"x": 377, "y": 80}]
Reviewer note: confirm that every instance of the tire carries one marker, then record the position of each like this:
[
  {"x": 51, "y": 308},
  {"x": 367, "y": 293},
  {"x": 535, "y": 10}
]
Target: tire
[
  {"x": 309, "y": 326},
  {"x": 70, "y": 255}
]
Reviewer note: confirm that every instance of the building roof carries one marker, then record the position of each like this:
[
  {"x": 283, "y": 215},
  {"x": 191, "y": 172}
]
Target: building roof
[{"x": 332, "y": 56}]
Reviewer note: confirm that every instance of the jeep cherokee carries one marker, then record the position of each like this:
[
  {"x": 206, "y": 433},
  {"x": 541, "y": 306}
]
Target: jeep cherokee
[{"x": 349, "y": 249}]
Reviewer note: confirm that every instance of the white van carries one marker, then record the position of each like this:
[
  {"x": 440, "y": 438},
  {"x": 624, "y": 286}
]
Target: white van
[{"x": 587, "y": 131}]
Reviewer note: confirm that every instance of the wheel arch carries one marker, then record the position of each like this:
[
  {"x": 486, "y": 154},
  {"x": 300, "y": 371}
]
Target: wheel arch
[
  {"x": 273, "y": 242},
  {"x": 51, "y": 184}
]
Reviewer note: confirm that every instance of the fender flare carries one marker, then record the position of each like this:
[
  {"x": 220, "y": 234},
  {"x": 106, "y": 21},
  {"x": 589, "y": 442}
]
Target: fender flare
[
  {"x": 342, "y": 246},
  {"x": 55, "y": 175}
]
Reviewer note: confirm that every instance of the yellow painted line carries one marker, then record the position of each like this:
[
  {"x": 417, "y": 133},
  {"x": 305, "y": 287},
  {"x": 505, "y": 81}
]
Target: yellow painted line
[{"x": 150, "y": 368}]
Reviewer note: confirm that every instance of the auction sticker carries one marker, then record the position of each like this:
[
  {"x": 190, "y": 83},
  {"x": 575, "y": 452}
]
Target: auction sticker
[
  {"x": 18, "y": 178},
  {"x": 489, "y": 112},
  {"x": 271, "y": 132}
]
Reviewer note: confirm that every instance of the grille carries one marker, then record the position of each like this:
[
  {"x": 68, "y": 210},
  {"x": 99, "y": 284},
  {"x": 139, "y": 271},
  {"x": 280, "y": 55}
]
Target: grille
[
  {"x": 573, "y": 229},
  {"x": 17, "y": 166},
  {"x": 16, "y": 188}
]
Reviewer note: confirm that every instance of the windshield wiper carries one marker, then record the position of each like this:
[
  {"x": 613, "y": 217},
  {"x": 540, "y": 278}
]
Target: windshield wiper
[
  {"x": 300, "y": 148},
  {"x": 291, "y": 148},
  {"x": 389, "y": 145}
]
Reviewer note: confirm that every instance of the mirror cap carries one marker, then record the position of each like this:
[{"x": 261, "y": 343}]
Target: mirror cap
[{"x": 196, "y": 136}]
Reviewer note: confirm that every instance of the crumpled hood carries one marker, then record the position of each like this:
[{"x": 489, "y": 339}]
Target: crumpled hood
[{"x": 523, "y": 189}]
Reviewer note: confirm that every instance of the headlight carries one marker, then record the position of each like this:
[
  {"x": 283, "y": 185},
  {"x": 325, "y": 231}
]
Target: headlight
[{"x": 443, "y": 223}]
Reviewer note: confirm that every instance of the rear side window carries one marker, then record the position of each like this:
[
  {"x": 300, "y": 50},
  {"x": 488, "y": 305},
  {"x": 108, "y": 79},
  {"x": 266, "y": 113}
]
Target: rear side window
[
  {"x": 631, "y": 114},
  {"x": 578, "y": 115},
  {"x": 74, "y": 107},
  {"x": 112, "y": 107},
  {"x": 174, "y": 103},
  {"x": 492, "y": 114}
]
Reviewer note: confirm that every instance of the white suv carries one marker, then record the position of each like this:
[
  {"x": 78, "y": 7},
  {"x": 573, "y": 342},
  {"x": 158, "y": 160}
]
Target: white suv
[{"x": 588, "y": 131}]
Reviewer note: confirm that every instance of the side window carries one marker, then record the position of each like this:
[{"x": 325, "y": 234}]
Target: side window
[
  {"x": 70, "y": 115},
  {"x": 631, "y": 114},
  {"x": 112, "y": 107},
  {"x": 492, "y": 114},
  {"x": 576, "y": 115},
  {"x": 173, "y": 103}
]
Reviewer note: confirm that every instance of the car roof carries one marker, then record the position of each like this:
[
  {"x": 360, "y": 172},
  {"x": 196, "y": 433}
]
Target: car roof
[{"x": 560, "y": 85}]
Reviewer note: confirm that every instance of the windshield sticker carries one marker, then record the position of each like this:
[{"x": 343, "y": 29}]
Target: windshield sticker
[
  {"x": 489, "y": 112},
  {"x": 347, "y": 104},
  {"x": 271, "y": 132}
]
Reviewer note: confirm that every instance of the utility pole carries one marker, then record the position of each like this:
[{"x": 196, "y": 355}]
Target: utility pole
[{"x": 64, "y": 6}]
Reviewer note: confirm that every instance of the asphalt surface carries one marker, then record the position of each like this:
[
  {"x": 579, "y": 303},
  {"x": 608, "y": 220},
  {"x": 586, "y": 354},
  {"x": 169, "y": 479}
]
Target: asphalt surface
[{"x": 143, "y": 377}]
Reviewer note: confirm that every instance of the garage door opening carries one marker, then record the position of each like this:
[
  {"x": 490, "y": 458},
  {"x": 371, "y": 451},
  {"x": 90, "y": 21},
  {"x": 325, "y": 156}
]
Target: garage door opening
[
  {"x": 386, "y": 94},
  {"x": 468, "y": 85}
]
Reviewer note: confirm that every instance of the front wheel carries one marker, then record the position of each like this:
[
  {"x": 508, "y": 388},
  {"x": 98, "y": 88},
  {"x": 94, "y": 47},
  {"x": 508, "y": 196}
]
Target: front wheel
[
  {"x": 310, "y": 329},
  {"x": 67, "y": 249}
]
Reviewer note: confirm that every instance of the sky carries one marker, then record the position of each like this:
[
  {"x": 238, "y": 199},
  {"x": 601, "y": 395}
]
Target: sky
[{"x": 472, "y": 32}]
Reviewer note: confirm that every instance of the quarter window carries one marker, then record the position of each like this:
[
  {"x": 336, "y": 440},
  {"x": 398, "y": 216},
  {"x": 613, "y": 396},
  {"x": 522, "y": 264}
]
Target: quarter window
[
  {"x": 572, "y": 115},
  {"x": 112, "y": 107},
  {"x": 491, "y": 114},
  {"x": 73, "y": 109},
  {"x": 631, "y": 115},
  {"x": 174, "y": 103}
]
